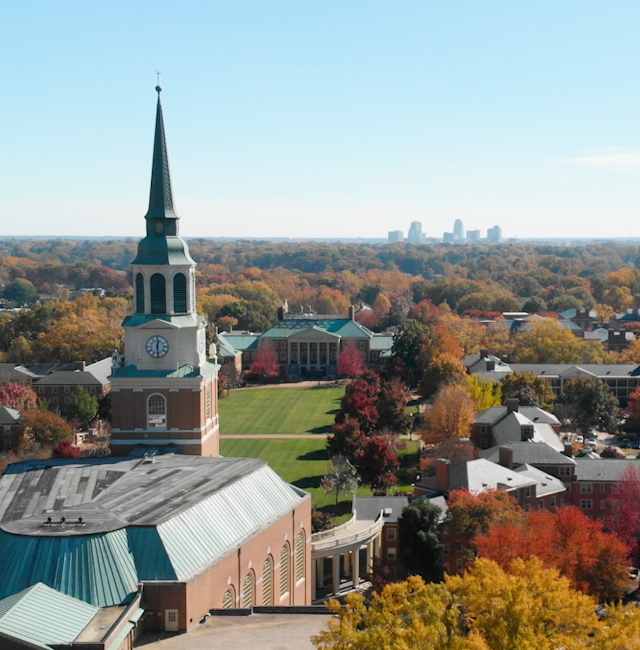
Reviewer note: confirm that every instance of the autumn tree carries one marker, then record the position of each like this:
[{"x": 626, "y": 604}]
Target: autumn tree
[
  {"x": 594, "y": 405},
  {"x": 633, "y": 407},
  {"x": 66, "y": 449},
  {"x": 470, "y": 514},
  {"x": 377, "y": 464},
  {"x": 266, "y": 364},
  {"x": 529, "y": 608},
  {"x": 391, "y": 402},
  {"x": 529, "y": 389},
  {"x": 442, "y": 369},
  {"x": 625, "y": 520},
  {"x": 421, "y": 549},
  {"x": 347, "y": 439},
  {"x": 45, "y": 429},
  {"x": 450, "y": 416},
  {"x": 485, "y": 393},
  {"x": 549, "y": 342},
  {"x": 350, "y": 363},
  {"x": 341, "y": 478},
  {"x": 20, "y": 397},
  {"x": 567, "y": 540},
  {"x": 455, "y": 450},
  {"x": 359, "y": 400}
]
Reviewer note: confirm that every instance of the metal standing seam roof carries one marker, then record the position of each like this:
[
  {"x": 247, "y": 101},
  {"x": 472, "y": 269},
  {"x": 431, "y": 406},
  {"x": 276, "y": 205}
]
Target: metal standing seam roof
[
  {"x": 241, "y": 343},
  {"x": 187, "y": 371},
  {"x": 381, "y": 342},
  {"x": 44, "y": 617},
  {"x": 163, "y": 520},
  {"x": 343, "y": 327}
]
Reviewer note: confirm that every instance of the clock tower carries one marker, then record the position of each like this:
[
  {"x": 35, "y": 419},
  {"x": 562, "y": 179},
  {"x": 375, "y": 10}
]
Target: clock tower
[{"x": 164, "y": 391}]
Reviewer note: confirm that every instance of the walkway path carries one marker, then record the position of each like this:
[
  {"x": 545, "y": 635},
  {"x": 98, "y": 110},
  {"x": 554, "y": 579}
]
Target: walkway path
[{"x": 275, "y": 436}]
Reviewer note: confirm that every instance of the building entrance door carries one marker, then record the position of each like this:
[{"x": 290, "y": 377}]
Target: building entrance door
[{"x": 171, "y": 620}]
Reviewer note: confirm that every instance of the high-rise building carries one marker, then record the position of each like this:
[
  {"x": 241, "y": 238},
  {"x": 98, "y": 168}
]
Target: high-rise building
[
  {"x": 415, "y": 235},
  {"x": 164, "y": 391},
  {"x": 473, "y": 236},
  {"x": 396, "y": 236},
  {"x": 458, "y": 230},
  {"x": 448, "y": 237},
  {"x": 494, "y": 235}
]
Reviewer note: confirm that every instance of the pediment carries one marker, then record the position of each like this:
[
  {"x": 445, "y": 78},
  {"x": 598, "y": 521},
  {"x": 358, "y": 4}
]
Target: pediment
[
  {"x": 576, "y": 371},
  {"x": 314, "y": 334},
  {"x": 158, "y": 324}
]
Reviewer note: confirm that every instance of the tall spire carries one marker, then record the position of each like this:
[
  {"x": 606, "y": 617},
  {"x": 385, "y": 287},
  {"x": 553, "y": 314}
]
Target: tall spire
[{"x": 161, "y": 217}]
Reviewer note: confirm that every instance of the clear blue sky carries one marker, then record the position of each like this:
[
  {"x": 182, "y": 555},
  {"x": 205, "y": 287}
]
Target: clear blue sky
[{"x": 323, "y": 118}]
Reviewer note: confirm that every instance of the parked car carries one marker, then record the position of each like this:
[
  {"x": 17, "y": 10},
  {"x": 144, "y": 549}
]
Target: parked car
[
  {"x": 635, "y": 444},
  {"x": 626, "y": 443}
]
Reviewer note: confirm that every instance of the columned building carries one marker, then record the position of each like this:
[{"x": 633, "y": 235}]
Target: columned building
[{"x": 164, "y": 391}]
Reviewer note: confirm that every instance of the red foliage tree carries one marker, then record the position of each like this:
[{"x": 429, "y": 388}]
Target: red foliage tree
[
  {"x": 633, "y": 407},
  {"x": 18, "y": 396},
  {"x": 359, "y": 401},
  {"x": 377, "y": 464},
  {"x": 626, "y": 520},
  {"x": 66, "y": 449},
  {"x": 350, "y": 363},
  {"x": 567, "y": 540},
  {"x": 347, "y": 439},
  {"x": 266, "y": 362},
  {"x": 367, "y": 318}
]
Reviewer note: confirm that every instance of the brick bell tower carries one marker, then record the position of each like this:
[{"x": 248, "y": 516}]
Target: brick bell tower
[{"x": 164, "y": 391}]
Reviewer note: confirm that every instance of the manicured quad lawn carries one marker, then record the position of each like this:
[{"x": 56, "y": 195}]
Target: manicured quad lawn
[
  {"x": 279, "y": 410},
  {"x": 301, "y": 461}
]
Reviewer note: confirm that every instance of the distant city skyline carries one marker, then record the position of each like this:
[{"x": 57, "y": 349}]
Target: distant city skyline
[{"x": 325, "y": 120}]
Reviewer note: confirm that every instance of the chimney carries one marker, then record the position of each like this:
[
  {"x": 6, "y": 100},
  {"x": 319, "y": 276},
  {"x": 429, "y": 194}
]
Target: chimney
[
  {"x": 491, "y": 365},
  {"x": 79, "y": 365},
  {"x": 352, "y": 312},
  {"x": 505, "y": 457},
  {"x": 513, "y": 405},
  {"x": 443, "y": 474},
  {"x": 484, "y": 353},
  {"x": 505, "y": 358},
  {"x": 568, "y": 449},
  {"x": 280, "y": 313}
]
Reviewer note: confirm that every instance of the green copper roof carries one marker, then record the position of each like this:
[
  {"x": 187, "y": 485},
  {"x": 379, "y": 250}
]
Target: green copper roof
[
  {"x": 162, "y": 245},
  {"x": 131, "y": 371},
  {"x": 185, "y": 320},
  {"x": 44, "y": 617},
  {"x": 98, "y": 569},
  {"x": 343, "y": 327}
]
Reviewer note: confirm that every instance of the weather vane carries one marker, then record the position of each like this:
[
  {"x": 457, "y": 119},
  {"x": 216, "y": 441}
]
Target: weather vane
[{"x": 158, "y": 87}]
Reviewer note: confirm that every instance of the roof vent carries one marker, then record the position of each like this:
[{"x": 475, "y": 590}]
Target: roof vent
[{"x": 387, "y": 512}]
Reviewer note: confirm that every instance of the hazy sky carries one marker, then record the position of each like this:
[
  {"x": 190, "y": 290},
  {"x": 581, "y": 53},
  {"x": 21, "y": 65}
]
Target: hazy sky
[{"x": 323, "y": 118}]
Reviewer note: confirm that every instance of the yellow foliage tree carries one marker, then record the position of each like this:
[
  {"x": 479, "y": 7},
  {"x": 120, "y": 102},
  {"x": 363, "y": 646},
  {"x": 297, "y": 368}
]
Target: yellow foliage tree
[
  {"x": 450, "y": 416},
  {"x": 529, "y": 608},
  {"x": 484, "y": 392}
]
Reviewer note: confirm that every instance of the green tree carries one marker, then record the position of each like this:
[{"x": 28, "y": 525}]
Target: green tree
[
  {"x": 83, "y": 407},
  {"x": 420, "y": 546},
  {"x": 21, "y": 292},
  {"x": 592, "y": 403},
  {"x": 530, "y": 389},
  {"x": 407, "y": 346}
]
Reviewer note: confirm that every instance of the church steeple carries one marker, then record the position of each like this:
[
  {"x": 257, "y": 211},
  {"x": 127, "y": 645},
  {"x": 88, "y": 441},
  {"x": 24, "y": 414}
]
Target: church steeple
[
  {"x": 162, "y": 245},
  {"x": 161, "y": 209}
]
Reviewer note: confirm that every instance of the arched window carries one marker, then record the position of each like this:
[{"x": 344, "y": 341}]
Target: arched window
[
  {"x": 179, "y": 293},
  {"x": 229, "y": 599},
  {"x": 249, "y": 590},
  {"x": 157, "y": 412},
  {"x": 300, "y": 549},
  {"x": 267, "y": 582},
  {"x": 158, "y": 289},
  {"x": 192, "y": 283},
  {"x": 284, "y": 570},
  {"x": 140, "y": 293}
]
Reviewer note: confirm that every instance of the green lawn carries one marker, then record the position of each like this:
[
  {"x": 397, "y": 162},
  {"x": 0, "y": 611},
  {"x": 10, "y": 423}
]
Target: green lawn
[
  {"x": 279, "y": 410},
  {"x": 303, "y": 462}
]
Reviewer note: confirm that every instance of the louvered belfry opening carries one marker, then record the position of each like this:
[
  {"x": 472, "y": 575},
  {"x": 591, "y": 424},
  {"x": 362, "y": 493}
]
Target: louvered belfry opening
[
  {"x": 267, "y": 582},
  {"x": 158, "y": 294},
  {"x": 139, "y": 293},
  {"x": 180, "y": 294}
]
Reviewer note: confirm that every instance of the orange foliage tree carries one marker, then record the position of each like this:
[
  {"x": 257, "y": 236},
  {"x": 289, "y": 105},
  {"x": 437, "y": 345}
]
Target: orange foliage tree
[{"x": 567, "y": 540}]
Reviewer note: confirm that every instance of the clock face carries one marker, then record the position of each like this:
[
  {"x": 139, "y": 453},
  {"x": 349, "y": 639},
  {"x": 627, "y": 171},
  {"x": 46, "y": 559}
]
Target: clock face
[{"x": 157, "y": 346}]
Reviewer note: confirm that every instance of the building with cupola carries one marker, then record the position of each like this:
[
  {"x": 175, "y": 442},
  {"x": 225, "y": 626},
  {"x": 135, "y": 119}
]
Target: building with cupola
[{"x": 164, "y": 391}]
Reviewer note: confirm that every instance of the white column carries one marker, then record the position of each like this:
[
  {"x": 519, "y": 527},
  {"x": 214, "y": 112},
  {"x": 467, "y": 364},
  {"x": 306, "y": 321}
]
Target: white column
[
  {"x": 314, "y": 565},
  {"x": 369, "y": 557},
  {"x": 355, "y": 560},
  {"x": 336, "y": 573},
  {"x": 347, "y": 564}
]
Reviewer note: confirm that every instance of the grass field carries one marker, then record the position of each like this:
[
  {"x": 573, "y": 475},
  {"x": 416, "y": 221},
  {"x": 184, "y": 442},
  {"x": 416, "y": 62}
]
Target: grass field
[
  {"x": 279, "y": 410},
  {"x": 303, "y": 462}
]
